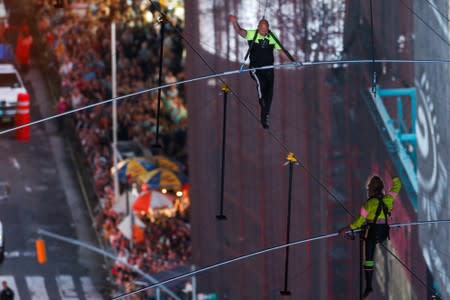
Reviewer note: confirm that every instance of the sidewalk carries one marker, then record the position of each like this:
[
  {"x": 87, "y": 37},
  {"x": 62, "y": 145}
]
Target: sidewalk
[{"x": 70, "y": 179}]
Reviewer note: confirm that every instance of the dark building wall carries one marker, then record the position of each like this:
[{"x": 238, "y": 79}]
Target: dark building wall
[{"x": 318, "y": 114}]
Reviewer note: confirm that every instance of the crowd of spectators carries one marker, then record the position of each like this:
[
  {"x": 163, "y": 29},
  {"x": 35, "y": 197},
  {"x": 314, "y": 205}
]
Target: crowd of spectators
[{"x": 79, "y": 34}]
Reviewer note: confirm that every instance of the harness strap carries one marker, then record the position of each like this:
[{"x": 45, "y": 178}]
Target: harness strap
[
  {"x": 381, "y": 206},
  {"x": 281, "y": 46},
  {"x": 251, "y": 45}
]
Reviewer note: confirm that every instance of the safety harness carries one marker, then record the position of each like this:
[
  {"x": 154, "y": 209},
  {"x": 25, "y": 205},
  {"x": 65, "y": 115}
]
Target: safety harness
[
  {"x": 281, "y": 46},
  {"x": 251, "y": 45},
  {"x": 276, "y": 41},
  {"x": 382, "y": 207}
]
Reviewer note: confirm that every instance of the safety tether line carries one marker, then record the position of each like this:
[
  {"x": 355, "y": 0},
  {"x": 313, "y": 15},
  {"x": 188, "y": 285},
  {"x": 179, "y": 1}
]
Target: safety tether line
[
  {"x": 437, "y": 9},
  {"x": 425, "y": 23},
  {"x": 430, "y": 289},
  {"x": 265, "y": 7},
  {"x": 266, "y": 250},
  {"x": 317, "y": 180},
  {"x": 374, "y": 73}
]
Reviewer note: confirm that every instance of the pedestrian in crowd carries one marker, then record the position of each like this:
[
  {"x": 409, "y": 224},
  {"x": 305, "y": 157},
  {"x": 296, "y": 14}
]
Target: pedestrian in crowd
[
  {"x": 377, "y": 207},
  {"x": 23, "y": 47},
  {"x": 61, "y": 107},
  {"x": 7, "y": 293},
  {"x": 83, "y": 50},
  {"x": 261, "y": 42}
]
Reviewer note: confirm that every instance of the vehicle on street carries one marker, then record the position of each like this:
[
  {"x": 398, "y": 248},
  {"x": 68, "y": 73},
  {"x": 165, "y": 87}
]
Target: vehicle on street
[{"x": 11, "y": 85}]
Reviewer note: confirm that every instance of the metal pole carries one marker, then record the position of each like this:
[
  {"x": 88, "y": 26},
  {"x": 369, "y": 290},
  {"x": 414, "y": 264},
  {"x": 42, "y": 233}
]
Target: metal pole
[
  {"x": 156, "y": 146},
  {"x": 361, "y": 249},
  {"x": 194, "y": 284},
  {"x": 114, "y": 107},
  {"x": 158, "y": 294},
  {"x": 291, "y": 160},
  {"x": 127, "y": 196},
  {"x": 225, "y": 89},
  {"x": 130, "y": 208}
]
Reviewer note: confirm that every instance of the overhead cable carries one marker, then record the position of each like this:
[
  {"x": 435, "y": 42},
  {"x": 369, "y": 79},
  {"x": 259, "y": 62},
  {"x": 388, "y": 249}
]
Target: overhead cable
[{"x": 267, "y": 250}]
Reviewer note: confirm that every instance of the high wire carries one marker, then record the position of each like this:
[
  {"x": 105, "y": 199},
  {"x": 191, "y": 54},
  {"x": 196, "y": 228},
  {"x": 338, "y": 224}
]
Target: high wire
[
  {"x": 267, "y": 250},
  {"x": 227, "y": 73}
]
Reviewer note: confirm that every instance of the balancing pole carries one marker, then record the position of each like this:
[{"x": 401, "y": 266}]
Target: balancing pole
[
  {"x": 156, "y": 147},
  {"x": 225, "y": 90},
  {"x": 290, "y": 160}
]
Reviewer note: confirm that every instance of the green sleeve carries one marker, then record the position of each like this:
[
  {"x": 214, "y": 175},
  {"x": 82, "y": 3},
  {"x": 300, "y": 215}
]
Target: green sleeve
[
  {"x": 396, "y": 185},
  {"x": 358, "y": 222},
  {"x": 361, "y": 219},
  {"x": 392, "y": 194},
  {"x": 250, "y": 34}
]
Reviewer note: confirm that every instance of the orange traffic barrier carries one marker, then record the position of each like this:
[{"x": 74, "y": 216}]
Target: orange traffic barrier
[
  {"x": 22, "y": 117},
  {"x": 40, "y": 251}
]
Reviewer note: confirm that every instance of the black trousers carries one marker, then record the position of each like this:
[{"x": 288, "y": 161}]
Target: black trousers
[
  {"x": 373, "y": 234},
  {"x": 264, "y": 85}
]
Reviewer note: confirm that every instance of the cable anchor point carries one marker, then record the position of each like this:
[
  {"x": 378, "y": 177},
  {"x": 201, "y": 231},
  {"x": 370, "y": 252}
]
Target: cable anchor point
[
  {"x": 291, "y": 159},
  {"x": 225, "y": 88}
]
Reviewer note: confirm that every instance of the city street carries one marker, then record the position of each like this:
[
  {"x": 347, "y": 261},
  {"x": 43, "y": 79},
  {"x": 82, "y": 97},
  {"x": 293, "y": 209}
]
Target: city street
[{"x": 45, "y": 193}]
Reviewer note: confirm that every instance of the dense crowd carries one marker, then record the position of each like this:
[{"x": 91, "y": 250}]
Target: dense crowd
[{"x": 80, "y": 36}]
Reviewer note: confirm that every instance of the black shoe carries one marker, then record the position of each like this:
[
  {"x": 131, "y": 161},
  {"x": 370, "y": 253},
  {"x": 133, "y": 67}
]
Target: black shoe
[
  {"x": 367, "y": 291},
  {"x": 265, "y": 120}
]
